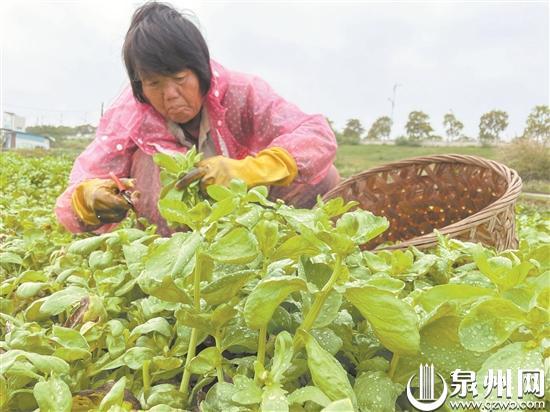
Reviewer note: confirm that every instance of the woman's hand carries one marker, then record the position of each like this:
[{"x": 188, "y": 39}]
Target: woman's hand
[
  {"x": 98, "y": 201},
  {"x": 273, "y": 166}
]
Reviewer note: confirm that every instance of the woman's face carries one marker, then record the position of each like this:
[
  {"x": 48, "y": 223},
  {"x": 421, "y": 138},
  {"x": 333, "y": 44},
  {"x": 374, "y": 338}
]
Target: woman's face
[{"x": 176, "y": 97}]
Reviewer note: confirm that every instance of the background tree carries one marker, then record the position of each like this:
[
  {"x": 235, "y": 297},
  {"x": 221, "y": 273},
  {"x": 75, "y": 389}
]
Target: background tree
[
  {"x": 352, "y": 132},
  {"x": 57, "y": 132},
  {"x": 418, "y": 126},
  {"x": 60, "y": 132},
  {"x": 334, "y": 130},
  {"x": 453, "y": 126},
  {"x": 330, "y": 123},
  {"x": 380, "y": 129},
  {"x": 537, "y": 126},
  {"x": 491, "y": 124}
]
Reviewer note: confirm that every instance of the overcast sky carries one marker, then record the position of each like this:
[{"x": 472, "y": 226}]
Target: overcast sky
[{"x": 61, "y": 59}]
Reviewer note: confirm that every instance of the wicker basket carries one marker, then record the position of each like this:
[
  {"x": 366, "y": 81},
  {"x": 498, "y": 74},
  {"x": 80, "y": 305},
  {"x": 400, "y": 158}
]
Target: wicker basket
[{"x": 464, "y": 197}]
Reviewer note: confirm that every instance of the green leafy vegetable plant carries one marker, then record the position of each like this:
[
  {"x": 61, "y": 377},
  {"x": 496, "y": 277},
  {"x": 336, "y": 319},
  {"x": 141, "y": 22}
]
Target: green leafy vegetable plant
[{"x": 252, "y": 305}]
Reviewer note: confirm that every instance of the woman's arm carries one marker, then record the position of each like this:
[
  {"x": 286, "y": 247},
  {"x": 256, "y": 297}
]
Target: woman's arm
[
  {"x": 111, "y": 151},
  {"x": 263, "y": 119},
  {"x": 105, "y": 154}
]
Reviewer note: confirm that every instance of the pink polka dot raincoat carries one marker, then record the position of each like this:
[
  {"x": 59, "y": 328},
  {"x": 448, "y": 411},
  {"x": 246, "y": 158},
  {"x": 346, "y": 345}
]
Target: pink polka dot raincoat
[{"x": 245, "y": 115}]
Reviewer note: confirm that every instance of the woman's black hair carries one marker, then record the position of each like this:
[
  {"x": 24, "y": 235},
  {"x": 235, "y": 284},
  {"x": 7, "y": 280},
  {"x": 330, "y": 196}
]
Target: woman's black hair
[{"x": 162, "y": 40}]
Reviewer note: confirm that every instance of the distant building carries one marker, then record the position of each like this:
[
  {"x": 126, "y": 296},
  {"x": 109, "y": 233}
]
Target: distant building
[
  {"x": 11, "y": 121},
  {"x": 15, "y": 139},
  {"x": 13, "y": 135}
]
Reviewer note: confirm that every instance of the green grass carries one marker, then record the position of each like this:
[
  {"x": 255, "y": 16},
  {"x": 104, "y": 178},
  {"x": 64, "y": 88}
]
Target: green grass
[
  {"x": 536, "y": 186},
  {"x": 354, "y": 159}
]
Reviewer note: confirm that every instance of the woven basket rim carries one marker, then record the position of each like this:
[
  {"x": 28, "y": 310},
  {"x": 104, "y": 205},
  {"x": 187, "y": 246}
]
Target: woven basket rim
[{"x": 509, "y": 197}]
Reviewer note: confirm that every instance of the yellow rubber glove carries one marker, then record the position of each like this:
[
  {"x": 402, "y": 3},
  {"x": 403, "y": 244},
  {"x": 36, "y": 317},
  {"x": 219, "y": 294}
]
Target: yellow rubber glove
[
  {"x": 97, "y": 201},
  {"x": 273, "y": 166}
]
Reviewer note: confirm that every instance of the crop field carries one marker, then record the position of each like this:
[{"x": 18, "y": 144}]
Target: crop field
[
  {"x": 257, "y": 306},
  {"x": 352, "y": 159}
]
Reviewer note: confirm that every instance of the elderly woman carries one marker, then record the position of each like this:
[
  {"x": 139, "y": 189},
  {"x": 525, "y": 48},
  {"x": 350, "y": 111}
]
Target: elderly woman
[{"x": 180, "y": 98}]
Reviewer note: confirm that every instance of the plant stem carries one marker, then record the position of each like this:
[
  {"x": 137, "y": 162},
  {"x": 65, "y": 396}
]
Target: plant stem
[
  {"x": 146, "y": 378},
  {"x": 197, "y": 282},
  {"x": 219, "y": 368},
  {"x": 262, "y": 344},
  {"x": 264, "y": 267},
  {"x": 184, "y": 386},
  {"x": 261, "y": 348},
  {"x": 319, "y": 300},
  {"x": 393, "y": 365}
]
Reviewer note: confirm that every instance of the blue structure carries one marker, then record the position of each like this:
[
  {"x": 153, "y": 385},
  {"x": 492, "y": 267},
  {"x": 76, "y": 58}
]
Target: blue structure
[{"x": 14, "y": 139}]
